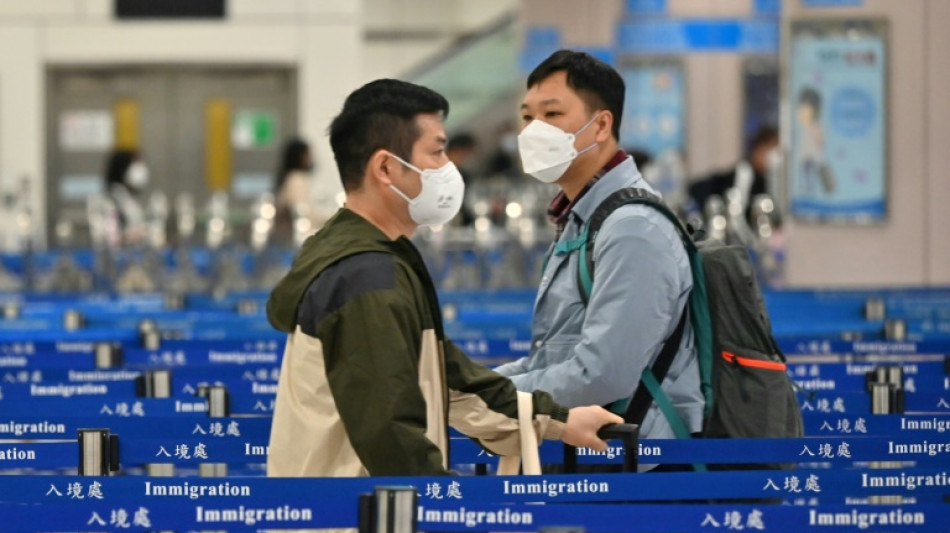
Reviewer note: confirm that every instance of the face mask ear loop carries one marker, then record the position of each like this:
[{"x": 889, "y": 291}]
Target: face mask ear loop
[
  {"x": 584, "y": 127},
  {"x": 404, "y": 162},
  {"x": 400, "y": 193},
  {"x": 591, "y": 147}
]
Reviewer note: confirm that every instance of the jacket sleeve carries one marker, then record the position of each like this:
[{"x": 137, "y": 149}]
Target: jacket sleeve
[
  {"x": 635, "y": 302},
  {"x": 371, "y": 345},
  {"x": 483, "y": 405}
]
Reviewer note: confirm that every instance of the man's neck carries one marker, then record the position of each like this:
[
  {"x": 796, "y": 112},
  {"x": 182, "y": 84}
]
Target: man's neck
[
  {"x": 582, "y": 171},
  {"x": 369, "y": 209}
]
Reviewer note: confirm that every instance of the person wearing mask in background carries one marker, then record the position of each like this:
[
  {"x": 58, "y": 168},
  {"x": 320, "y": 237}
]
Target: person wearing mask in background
[
  {"x": 292, "y": 189},
  {"x": 749, "y": 177},
  {"x": 596, "y": 353},
  {"x": 368, "y": 382},
  {"x": 460, "y": 150},
  {"x": 127, "y": 176}
]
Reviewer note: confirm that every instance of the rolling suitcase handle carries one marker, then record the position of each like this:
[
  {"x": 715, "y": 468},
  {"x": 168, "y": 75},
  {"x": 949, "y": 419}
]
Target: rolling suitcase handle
[{"x": 628, "y": 433}]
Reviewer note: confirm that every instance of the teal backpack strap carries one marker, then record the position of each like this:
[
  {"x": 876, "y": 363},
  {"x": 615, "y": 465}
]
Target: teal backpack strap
[{"x": 666, "y": 407}]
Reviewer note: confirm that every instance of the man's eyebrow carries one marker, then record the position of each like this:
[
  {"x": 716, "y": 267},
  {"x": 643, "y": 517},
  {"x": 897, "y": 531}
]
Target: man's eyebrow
[
  {"x": 549, "y": 101},
  {"x": 440, "y": 139}
]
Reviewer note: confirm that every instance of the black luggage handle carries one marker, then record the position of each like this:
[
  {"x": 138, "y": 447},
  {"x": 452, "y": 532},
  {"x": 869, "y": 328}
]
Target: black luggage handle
[{"x": 628, "y": 433}]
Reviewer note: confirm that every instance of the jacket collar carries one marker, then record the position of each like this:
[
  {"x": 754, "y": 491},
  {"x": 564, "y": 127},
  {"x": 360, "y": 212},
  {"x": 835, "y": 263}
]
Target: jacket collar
[{"x": 621, "y": 176}]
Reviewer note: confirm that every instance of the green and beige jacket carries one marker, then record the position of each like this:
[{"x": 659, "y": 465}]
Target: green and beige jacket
[{"x": 368, "y": 383}]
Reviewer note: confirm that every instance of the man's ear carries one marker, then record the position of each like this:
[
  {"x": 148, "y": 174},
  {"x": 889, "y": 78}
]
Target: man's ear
[
  {"x": 605, "y": 125},
  {"x": 381, "y": 168}
]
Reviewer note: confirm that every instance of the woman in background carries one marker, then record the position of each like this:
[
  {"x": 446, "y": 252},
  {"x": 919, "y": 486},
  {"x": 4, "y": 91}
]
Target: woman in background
[
  {"x": 126, "y": 177},
  {"x": 292, "y": 188}
]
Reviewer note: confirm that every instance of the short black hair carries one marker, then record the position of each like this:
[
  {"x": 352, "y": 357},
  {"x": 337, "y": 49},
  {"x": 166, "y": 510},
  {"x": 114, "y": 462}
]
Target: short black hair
[
  {"x": 810, "y": 96},
  {"x": 766, "y": 134},
  {"x": 596, "y": 82},
  {"x": 294, "y": 154},
  {"x": 462, "y": 141},
  {"x": 380, "y": 115},
  {"x": 118, "y": 164}
]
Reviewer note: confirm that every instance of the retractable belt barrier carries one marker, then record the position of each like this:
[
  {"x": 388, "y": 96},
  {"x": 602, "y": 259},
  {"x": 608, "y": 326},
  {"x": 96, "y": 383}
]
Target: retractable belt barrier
[
  {"x": 186, "y": 425},
  {"x": 230, "y": 444},
  {"x": 462, "y": 503}
]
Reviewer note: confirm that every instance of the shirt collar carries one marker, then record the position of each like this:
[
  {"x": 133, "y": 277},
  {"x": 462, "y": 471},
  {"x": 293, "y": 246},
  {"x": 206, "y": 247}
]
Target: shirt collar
[{"x": 560, "y": 208}]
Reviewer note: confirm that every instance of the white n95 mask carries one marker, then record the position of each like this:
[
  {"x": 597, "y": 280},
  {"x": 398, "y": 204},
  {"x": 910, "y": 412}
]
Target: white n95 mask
[
  {"x": 136, "y": 176},
  {"x": 441, "y": 196},
  {"x": 547, "y": 150}
]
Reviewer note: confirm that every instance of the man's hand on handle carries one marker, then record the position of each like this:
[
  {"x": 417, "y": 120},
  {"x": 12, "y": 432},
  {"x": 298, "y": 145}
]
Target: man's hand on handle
[{"x": 582, "y": 426}]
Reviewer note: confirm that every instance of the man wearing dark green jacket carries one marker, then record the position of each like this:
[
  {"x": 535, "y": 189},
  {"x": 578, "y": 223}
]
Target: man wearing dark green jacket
[{"x": 369, "y": 384}]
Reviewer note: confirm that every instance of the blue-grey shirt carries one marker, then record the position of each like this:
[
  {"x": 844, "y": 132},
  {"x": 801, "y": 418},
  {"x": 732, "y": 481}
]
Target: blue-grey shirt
[{"x": 594, "y": 355}]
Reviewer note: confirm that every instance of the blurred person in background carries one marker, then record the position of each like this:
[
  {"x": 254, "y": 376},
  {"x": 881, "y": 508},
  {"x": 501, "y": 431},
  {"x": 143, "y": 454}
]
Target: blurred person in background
[
  {"x": 126, "y": 177},
  {"x": 461, "y": 149},
  {"x": 292, "y": 188},
  {"x": 749, "y": 176}
]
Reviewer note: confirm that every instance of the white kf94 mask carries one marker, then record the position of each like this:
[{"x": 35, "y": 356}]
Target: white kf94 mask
[
  {"x": 547, "y": 150},
  {"x": 441, "y": 196}
]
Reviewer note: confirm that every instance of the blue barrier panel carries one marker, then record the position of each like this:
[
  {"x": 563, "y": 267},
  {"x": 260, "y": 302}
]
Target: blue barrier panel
[
  {"x": 930, "y": 448},
  {"x": 561, "y": 488},
  {"x": 193, "y": 449},
  {"x": 105, "y": 406},
  {"x": 874, "y": 425},
  {"x": 478, "y": 517},
  {"x": 150, "y": 427}
]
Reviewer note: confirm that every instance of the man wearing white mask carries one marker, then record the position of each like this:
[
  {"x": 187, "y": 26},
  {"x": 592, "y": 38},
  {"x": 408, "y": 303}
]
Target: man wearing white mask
[
  {"x": 595, "y": 352},
  {"x": 369, "y": 383}
]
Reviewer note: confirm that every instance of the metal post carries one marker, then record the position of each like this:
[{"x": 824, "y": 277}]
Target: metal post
[
  {"x": 98, "y": 452},
  {"x": 895, "y": 330},
  {"x": 73, "y": 320},
  {"x": 395, "y": 510},
  {"x": 875, "y": 309},
  {"x": 11, "y": 310},
  {"x": 108, "y": 355},
  {"x": 156, "y": 384},
  {"x": 174, "y": 301},
  {"x": 219, "y": 406},
  {"x": 883, "y": 403},
  {"x": 149, "y": 335}
]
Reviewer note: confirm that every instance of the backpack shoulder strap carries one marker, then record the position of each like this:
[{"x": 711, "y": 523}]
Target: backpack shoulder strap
[
  {"x": 648, "y": 389},
  {"x": 622, "y": 197}
]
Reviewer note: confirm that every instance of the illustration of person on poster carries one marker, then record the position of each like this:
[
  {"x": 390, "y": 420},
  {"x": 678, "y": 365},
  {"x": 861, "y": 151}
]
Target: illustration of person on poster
[{"x": 838, "y": 161}]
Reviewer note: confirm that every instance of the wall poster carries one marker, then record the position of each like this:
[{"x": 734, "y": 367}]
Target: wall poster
[{"x": 837, "y": 101}]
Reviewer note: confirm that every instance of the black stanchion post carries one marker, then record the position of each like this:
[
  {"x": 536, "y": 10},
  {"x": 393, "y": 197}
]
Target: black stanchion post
[
  {"x": 219, "y": 406},
  {"x": 875, "y": 309},
  {"x": 73, "y": 320},
  {"x": 149, "y": 335},
  {"x": 98, "y": 452},
  {"x": 884, "y": 402},
  {"x": 156, "y": 384},
  {"x": 11, "y": 310},
  {"x": 895, "y": 330},
  {"x": 108, "y": 355},
  {"x": 174, "y": 301}
]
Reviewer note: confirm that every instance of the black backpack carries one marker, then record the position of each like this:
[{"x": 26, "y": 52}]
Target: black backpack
[{"x": 747, "y": 389}]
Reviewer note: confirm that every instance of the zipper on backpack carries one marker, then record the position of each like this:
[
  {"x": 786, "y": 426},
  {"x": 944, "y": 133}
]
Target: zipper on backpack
[{"x": 753, "y": 363}]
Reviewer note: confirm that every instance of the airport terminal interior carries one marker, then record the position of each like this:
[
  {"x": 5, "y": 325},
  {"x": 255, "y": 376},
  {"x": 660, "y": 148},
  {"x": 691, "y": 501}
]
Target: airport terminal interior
[{"x": 163, "y": 162}]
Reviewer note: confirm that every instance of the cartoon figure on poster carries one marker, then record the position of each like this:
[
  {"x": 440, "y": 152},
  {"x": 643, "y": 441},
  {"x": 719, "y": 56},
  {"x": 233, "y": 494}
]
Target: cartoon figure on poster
[
  {"x": 837, "y": 167},
  {"x": 813, "y": 169}
]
